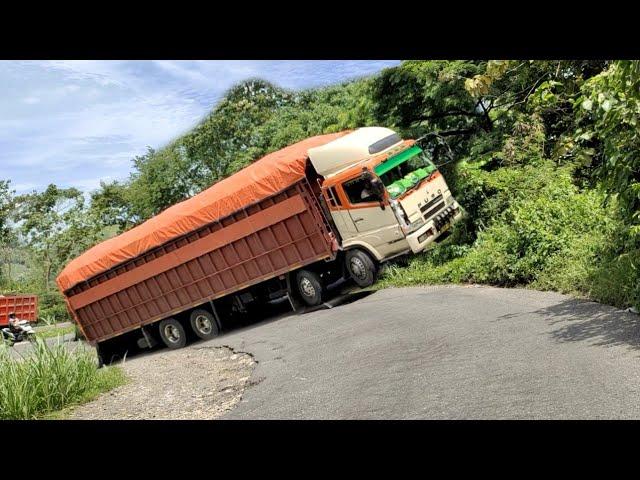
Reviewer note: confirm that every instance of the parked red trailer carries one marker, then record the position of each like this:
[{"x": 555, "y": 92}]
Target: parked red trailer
[{"x": 24, "y": 306}]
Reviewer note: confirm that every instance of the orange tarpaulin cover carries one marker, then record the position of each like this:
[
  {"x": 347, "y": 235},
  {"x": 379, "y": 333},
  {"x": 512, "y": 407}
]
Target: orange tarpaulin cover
[{"x": 263, "y": 178}]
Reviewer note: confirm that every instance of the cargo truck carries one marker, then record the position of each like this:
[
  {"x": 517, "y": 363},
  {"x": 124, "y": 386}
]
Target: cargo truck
[
  {"x": 288, "y": 225},
  {"x": 25, "y": 307}
]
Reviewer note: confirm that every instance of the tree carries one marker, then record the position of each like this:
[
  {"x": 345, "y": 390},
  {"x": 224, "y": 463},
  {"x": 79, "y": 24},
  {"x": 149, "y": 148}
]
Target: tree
[
  {"x": 475, "y": 104},
  {"x": 160, "y": 179},
  {"x": 223, "y": 142},
  {"x": 111, "y": 206},
  {"x": 56, "y": 226},
  {"x": 420, "y": 96},
  {"x": 228, "y": 133},
  {"x": 609, "y": 133},
  {"x": 7, "y": 236},
  {"x": 6, "y": 202}
]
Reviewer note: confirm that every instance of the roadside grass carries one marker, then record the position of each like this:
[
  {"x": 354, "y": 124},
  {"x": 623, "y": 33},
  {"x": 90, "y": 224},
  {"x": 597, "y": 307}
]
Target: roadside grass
[
  {"x": 54, "y": 331},
  {"x": 107, "y": 379},
  {"x": 50, "y": 379}
]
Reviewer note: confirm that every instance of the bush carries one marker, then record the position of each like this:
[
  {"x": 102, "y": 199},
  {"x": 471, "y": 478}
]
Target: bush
[
  {"x": 52, "y": 307},
  {"x": 50, "y": 379},
  {"x": 541, "y": 231},
  {"x": 544, "y": 223}
]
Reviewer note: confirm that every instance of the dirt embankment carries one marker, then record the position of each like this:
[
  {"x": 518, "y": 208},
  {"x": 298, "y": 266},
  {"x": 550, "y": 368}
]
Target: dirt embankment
[{"x": 195, "y": 383}]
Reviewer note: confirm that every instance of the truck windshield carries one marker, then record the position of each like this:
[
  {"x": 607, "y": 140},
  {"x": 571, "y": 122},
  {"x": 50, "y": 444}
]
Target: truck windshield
[{"x": 405, "y": 170}]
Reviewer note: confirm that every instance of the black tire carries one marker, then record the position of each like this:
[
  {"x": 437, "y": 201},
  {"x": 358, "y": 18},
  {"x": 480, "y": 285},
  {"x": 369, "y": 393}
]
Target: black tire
[
  {"x": 105, "y": 355},
  {"x": 100, "y": 361},
  {"x": 362, "y": 269},
  {"x": 309, "y": 287},
  {"x": 172, "y": 333},
  {"x": 6, "y": 339},
  {"x": 204, "y": 324}
]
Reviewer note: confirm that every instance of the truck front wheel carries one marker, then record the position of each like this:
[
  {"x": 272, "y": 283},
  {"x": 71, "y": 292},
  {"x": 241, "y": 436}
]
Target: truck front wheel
[
  {"x": 362, "y": 269},
  {"x": 172, "y": 333},
  {"x": 310, "y": 287},
  {"x": 204, "y": 324}
]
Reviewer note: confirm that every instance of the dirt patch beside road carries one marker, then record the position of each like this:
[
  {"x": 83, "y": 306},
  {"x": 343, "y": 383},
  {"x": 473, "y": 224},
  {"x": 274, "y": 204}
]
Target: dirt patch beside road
[{"x": 195, "y": 383}]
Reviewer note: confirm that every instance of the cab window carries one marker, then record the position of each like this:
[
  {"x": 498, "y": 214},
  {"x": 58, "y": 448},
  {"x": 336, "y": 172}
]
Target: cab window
[{"x": 359, "y": 191}]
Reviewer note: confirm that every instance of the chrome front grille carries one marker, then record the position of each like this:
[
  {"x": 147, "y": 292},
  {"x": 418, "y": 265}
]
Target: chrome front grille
[
  {"x": 431, "y": 203},
  {"x": 433, "y": 211}
]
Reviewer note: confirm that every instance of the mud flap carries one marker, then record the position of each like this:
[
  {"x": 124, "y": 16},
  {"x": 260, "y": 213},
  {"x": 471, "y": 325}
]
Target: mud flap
[
  {"x": 147, "y": 341},
  {"x": 297, "y": 304}
]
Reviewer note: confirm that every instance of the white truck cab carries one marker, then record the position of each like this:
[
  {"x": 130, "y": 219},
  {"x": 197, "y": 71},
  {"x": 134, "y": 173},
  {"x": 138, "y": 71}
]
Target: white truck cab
[{"x": 383, "y": 193}]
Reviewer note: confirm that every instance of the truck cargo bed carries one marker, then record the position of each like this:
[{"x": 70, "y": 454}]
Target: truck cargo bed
[{"x": 262, "y": 241}]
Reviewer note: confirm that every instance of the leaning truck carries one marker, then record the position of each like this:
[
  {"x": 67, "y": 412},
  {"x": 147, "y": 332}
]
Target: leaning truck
[{"x": 288, "y": 225}]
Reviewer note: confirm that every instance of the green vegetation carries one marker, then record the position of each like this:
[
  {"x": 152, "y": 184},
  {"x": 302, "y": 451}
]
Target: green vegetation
[
  {"x": 546, "y": 190},
  {"x": 55, "y": 331},
  {"x": 546, "y": 234},
  {"x": 49, "y": 379},
  {"x": 543, "y": 155}
]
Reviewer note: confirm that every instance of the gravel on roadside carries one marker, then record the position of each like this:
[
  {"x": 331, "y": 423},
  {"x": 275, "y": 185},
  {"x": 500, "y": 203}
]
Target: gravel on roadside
[{"x": 199, "y": 382}]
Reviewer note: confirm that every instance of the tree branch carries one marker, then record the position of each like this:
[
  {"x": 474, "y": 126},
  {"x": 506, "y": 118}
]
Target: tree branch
[
  {"x": 460, "y": 131},
  {"x": 450, "y": 113},
  {"x": 535, "y": 85}
]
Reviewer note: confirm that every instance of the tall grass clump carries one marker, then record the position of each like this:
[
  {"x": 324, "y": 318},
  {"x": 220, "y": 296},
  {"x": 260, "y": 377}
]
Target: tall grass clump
[{"x": 49, "y": 379}]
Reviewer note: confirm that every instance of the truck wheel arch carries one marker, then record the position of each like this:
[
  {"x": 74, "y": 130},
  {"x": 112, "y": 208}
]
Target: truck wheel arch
[{"x": 372, "y": 252}]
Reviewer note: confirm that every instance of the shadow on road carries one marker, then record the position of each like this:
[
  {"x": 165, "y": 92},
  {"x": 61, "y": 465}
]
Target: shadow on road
[
  {"x": 267, "y": 313},
  {"x": 581, "y": 320}
]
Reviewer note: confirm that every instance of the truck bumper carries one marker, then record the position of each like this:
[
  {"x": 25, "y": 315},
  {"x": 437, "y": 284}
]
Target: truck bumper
[{"x": 430, "y": 231}]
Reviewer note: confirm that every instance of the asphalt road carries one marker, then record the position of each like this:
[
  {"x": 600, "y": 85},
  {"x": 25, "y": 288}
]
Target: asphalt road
[
  {"x": 445, "y": 353},
  {"x": 24, "y": 348}
]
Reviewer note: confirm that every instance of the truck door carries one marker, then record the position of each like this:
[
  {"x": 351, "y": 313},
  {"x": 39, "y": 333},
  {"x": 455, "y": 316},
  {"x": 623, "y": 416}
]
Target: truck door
[
  {"x": 372, "y": 224},
  {"x": 339, "y": 214}
]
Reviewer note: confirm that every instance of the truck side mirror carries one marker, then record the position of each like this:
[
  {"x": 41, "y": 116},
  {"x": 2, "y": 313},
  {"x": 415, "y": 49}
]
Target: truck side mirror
[
  {"x": 377, "y": 187},
  {"x": 374, "y": 182},
  {"x": 378, "y": 190},
  {"x": 374, "y": 185}
]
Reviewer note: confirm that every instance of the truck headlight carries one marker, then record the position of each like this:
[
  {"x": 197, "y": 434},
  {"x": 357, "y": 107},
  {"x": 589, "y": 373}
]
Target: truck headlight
[
  {"x": 416, "y": 225},
  {"x": 422, "y": 238},
  {"x": 412, "y": 227}
]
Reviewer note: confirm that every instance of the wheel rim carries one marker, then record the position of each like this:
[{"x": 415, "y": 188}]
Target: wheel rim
[
  {"x": 172, "y": 333},
  {"x": 358, "y": 268},
  {"x": 307, "y": 288},
  {"x": 203, "y": 324}
]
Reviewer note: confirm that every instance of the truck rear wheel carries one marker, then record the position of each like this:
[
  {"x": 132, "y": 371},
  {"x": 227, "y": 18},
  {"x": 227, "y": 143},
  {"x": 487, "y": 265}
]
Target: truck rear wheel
[
  {"x": 204, "y": 324},
  {"x": 101, "y": 356},
  {"x": 106, "y": 353},
  {"x": 310, "y": 287},
  {"x": 172, "y": 333},
  {"x": 362, "y": 269}
]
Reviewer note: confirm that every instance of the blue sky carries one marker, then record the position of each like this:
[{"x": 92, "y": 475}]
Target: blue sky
[{"x": 74, "y": 123}]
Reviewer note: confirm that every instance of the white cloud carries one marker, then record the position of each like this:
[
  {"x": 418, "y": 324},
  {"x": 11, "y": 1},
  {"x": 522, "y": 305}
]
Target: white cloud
[{"x": 75, "y": 122}]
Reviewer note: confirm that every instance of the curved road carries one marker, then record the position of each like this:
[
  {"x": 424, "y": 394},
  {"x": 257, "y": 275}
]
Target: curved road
[{"x": 445, "y": 353}]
